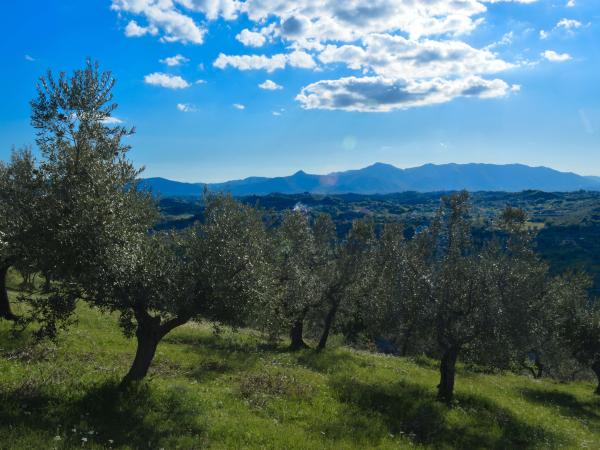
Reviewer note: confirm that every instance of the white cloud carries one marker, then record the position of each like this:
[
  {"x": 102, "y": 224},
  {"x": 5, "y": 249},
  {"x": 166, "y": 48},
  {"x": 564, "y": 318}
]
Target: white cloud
[
  {"x": 162, "y": 16},
  {"x": 200, "y": 82},
  {"x": 269, "y": 85},
  {"x": 396, "y": 56},
  {"x": 186, "y": 107},
  {"x": 306, "y": 21},
  {"x": 409, "y": 43},
  {"x": 251, "y": 38},
  {"x": 571, "y": 4},
  {"x": 378, "y": 94},
  {"x": 239, "y": 106},
  {"x": 298, "y": 59},
  {"x": 569, "y": 24},
  {"x": 276, "y": 113},
  {"x": 553, "y": 56},
  {"x": 176, "y": 60},
  {"x": 301, "y": 60},
  {"x": 29, "y": 58},
  {"x": 134, "y": 30},
  {"x": 213, "y": 9},
  {"x": 166, "y": 80}
]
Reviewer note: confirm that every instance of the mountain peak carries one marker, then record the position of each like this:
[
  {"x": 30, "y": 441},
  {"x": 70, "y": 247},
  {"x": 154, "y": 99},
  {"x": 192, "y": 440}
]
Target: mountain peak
[{"x": 380, "y": 165}]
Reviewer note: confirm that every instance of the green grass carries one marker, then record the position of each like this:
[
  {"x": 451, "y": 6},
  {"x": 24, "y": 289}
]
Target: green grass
[{"x": 233, "y": 391}]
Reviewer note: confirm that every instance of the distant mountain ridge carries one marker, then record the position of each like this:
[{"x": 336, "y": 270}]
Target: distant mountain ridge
[{"x": 381, "y": 178}]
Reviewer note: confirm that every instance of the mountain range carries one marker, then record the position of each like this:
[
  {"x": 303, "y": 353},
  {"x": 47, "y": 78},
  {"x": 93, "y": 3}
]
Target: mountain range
[{"x": 382, "y": 178}]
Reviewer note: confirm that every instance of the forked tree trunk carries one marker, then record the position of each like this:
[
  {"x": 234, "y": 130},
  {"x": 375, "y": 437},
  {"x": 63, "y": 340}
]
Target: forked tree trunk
[
  {"x": 447, "y": 374},
  {"x": 148, "y": 334},
  {"x": 148, "y": 338},
  {"x": 329, "y": 319},
  {"x": 296, "y": 335},
  {"x": 5, "y": 311},
  {"x": 596, "y": 369}
]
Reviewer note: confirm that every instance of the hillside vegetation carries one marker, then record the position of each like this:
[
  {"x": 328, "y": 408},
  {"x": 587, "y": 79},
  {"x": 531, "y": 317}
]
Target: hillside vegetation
[{"x": 230, "y": 390}]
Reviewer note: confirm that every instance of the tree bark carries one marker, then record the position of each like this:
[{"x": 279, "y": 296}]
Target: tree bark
[
  {"x": 296, "y": 335},
  {"x": 447, "y": 374},
  {"x": 329, "y": 319},
  {"x": 148, "y": 334},
  {"x": 596, "y": 369},
  {"x": 148, "y": 337},
  {"x": 5, "y": 310},
  {"x": 47, "y": 283}
]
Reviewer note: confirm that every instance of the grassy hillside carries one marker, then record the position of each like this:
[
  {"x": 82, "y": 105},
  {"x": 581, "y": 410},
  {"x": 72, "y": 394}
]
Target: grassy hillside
[{"x": 233, "y": 391}]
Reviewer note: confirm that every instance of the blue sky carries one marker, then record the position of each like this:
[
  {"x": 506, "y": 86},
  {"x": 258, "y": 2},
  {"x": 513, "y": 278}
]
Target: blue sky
[{"x": 351, "y": 83}]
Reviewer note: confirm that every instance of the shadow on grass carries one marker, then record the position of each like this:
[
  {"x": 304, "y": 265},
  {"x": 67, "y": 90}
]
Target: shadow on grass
[
  {"x": 409, "y": 409},
  {"x": 330, "y": 361},
  {"x": 567, "y": 404},
  {"x": 105, "y": 415},
  {"x": 219, "y": 354}
]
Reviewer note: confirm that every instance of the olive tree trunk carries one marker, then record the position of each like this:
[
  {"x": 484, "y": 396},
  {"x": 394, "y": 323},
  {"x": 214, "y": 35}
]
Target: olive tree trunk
[
  {"x": 329, "y": 319},
  {"x": 447, "y": 374},
  {"x": 296, "y": 335},
  {"x": 149, "y": 333},
  {"x": 5, "y": 311}
]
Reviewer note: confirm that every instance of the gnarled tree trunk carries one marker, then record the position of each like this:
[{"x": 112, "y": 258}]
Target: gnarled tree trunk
[
  {"x": 5, "y": 310},
  {"x": 149, "y": 332},
  {"x": 447, "y": 374},
  {"x": 148, "y": 336},
  {"x": 329, "y": 319},
  {"x": 596, "y": 369},
  {"x": 296, "y": 335}
]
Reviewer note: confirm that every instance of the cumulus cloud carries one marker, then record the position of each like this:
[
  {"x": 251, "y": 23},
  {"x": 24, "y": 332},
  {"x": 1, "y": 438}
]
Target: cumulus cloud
[
  {"x": 166, "y": 80},
  {"x": 163, "y": 17},
  {"x": 569, "y": 24},
  {"x": 173, "y": 61},
  {"x": 297, "y": 59},
  {"x": 405, "y": 45},
  {"x": 251, "y": 38},
  {"x": 269, "y": 85},
  {"x": 553, "y": 56},
  {"x": 186, "y": 107},
  {"x": 134, "y": 30},
  {"x": 378, "y": 94},
  {"x": 239, "y": 106},
  {"x": 332, "y": 20},
  {"x": 213, "y": 9},
  {"x": 395, "y": 56}
]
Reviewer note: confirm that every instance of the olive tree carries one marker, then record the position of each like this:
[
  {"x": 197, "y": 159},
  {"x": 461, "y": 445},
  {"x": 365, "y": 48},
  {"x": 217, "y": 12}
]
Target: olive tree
[
  {"x": 400, "y": 310},
  {"x": 345, "y": 275},
  {"x": 20, "y": 227},
  {"x": 158, "y": 282},
  {"x": 580, "y": 320},
  {"x": 88, "y": 203},
  {"x": 294, "y": 262},
  {"x": 481, "y": 297}
]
